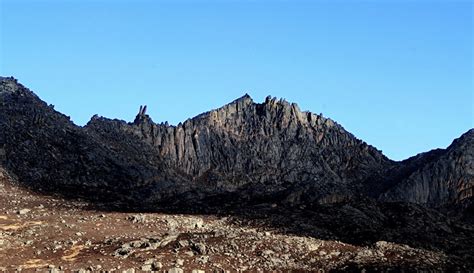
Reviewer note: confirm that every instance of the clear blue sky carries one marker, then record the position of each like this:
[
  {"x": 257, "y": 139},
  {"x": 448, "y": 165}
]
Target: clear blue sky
[{"x": 398, "y": 74}]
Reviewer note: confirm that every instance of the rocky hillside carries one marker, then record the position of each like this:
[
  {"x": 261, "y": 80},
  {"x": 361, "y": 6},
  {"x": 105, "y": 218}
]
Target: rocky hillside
[
  {"x": 269, "y": 147},
  {"x": 269, "y": 150},
  {"x": 265, "y": 164},
  {"x": 438, "y": 177},
  {"x": 40, "y": 233},
  {"x": 49, "y": 153}
]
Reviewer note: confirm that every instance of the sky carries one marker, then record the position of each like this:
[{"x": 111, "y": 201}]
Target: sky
[{"x": 397, "y": 74}]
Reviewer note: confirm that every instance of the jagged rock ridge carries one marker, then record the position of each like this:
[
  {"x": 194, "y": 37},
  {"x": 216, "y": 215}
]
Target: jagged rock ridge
[
  {"x": 245, "y": 143},
  {"x": 261, "y": 149}
]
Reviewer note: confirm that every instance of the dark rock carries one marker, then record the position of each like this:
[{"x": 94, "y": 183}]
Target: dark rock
[{"x": 200, "y": 248}]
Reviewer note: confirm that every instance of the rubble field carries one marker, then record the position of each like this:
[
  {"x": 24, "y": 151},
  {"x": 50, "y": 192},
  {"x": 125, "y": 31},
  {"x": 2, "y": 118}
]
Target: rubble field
[{"x": 43, "y": 233}]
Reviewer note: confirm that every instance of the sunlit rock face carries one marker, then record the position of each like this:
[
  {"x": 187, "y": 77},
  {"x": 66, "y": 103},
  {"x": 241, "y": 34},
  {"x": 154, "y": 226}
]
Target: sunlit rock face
[{"x": 272, "y": 143}]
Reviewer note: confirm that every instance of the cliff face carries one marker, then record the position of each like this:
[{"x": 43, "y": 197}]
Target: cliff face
[
  {"x": 245, "y": 143},
  {"x": 242, "y": 151},
  {"x": 441, "y": 177}
]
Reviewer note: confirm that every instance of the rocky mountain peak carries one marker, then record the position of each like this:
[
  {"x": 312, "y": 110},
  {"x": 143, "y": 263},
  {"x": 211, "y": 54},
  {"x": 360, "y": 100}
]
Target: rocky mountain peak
[
  {"x": 466, "y": 137},
  {"x": 246, "y": 98},
  {"x": 8, "y": 85},
  {"x": 236, "y": 144},
  {"x": 11, "y": 89},
  {"x": 271, "y": 147},
  {"x": 230, "y": 110}
]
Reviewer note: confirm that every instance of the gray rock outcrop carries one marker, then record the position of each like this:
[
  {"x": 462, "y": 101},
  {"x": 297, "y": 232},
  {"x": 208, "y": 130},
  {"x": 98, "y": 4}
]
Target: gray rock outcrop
[{"x": 441, "y": 177}]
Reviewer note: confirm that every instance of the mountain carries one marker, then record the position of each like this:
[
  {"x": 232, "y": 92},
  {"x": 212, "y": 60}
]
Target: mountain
[
  {"x": 302, "y": 171},
  {"x": 438, "y": 177},
  {"x": 269, "y": 148}
]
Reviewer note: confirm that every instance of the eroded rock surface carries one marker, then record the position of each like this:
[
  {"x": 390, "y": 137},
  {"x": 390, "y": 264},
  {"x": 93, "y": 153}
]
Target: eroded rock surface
[{"x": 441, "y": 177}]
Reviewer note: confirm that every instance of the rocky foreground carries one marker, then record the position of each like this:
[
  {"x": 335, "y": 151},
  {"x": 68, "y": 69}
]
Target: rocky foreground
[{"x": 50, "y": 234}]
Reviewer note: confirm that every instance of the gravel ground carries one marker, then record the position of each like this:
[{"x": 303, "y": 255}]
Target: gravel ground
[{"x": 43, "y": 233}]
